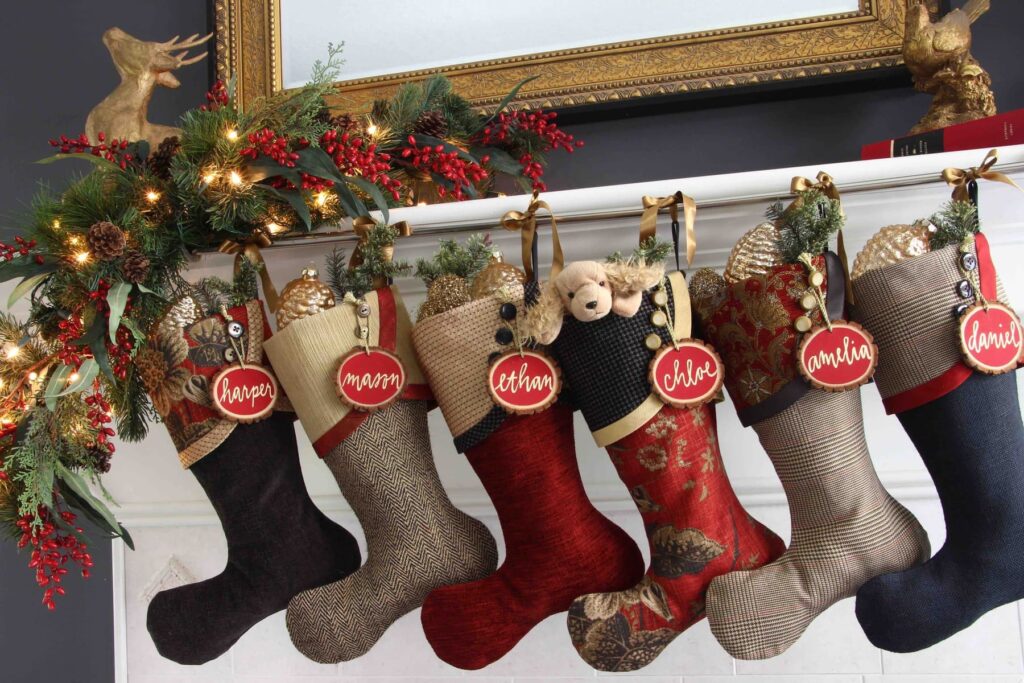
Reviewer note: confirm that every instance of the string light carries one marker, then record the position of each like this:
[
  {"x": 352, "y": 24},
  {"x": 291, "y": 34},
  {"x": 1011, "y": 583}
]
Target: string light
[
  {"x": 321, "y": 198},
  {"x": 152, "y": 196},
  {"x": 372, "y": 129},
  {"x": 13, "y": 351},
  {"x": 73, "y": 377},
  {"x": 33, "y": 376},
  {"x": 56, "y": 224},
  {"x": 209, "y": 177},
  {"x": 235, "y": 177},
  {"x": 82, "y": 256},
  {"x": 274, "y": 228},
  {"x": 75, "y": 240},
  {"x": 231, "y": 135},
  {"x": 421, "y": 204}
]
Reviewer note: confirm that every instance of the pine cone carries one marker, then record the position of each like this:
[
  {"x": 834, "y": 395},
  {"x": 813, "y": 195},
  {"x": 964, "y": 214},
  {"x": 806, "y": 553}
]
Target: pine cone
[
  {"x": 160, "y": 160},
  {"x": 135, "y": 267},
  {"x": 106, "y": 241},
  {"x": 431, "y": 123}
]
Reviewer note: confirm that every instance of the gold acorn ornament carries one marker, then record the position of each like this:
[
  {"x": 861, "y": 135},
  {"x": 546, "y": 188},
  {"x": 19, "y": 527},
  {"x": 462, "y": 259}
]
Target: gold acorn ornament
[
  {"x": 755, "y": 253},
  {"x": 443, "y": 294},
  {"x": 304, "y": 296},
  {"x": 495, "y": 275},
  {"x": 892, "y": 244}
]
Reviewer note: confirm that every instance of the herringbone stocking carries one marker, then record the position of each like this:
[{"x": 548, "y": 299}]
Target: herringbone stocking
[{"x": 416, "y": 539}]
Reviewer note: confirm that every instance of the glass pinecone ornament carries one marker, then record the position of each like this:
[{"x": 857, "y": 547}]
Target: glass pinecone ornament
[
  {"x": 495, "y": 275},
  {"x": 755, "y": 253},
  {"x": 432, "y": 123},
  {"x": 106, "y": 241},
  {"x": 302, "y": 297},
  {"x": 135, "y": 267},
  {"x": 160, "y": 159},
  {"x": 892, "y": 244},
  {"x": 183, "y": 313},
  {"x": 708, "y": 290},
  {"x": 443, "y": 294}
]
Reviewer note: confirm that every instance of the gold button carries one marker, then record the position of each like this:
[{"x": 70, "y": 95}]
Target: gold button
[
  {"x": 659, "y": 319},
  {"x": 653, "y": 342},
  {"x": 808, "y": 301},
  {"x": 816, "y": 278},
  {"x": 803, "y": 324},
  {"x": 660, "y": 297}
]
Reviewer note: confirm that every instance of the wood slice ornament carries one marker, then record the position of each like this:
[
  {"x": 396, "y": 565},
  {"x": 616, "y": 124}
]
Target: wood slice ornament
[
  {"x": 687, "y": 374},
  {"x": 837, "y": 359},
  {"x": 991, "y": 338},
  {"x": 369, "y": 379},
  {"x": 244, "y": 393},
  {"x": 524, "y": 382}
]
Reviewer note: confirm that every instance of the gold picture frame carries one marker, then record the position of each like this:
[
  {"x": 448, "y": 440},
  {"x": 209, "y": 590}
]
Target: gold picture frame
[{"x": 248, "y": 45}]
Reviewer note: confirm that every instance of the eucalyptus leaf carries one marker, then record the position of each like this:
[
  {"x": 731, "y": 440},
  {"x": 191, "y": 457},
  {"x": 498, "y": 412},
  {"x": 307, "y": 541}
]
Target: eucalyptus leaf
[
  {"x": 24, "y": 266},
  {"x": 500, "y": 160},
  {"x": 87, "y": 372},
  {"x": 25, "y": 286},
  {"x": 431, "y": 141},
  {"x": 91, "y": 158},
  {"x": 509, "y": 97},
  {"x": 147, "y": 290},
  {"x": 117, "y": 299},
  {"x": 89, "y": 504},
  {"x": 297, "y": 201},
  {"x": 375, "y": 194},
  {"x": 55, "y": 386}
]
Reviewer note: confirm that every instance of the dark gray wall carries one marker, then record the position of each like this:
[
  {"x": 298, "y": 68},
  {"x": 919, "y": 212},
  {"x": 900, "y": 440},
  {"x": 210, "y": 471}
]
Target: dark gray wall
[{"x": 56, "y": 69}]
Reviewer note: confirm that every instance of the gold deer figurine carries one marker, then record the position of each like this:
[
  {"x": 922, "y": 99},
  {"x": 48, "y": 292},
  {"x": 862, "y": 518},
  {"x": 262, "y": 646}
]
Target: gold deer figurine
[
  {"x": 938, "y": 54},
  {"x": 142, "y": 65}
]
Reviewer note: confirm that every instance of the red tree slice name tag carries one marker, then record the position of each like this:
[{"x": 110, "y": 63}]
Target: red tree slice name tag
[
  {"x": 244, "y": 394},
  {"x": 686, "y": 376},
  {"x": 991, "y": 338},
  {"x": 838, "y": 359},
  {"x": 370, "y": 379},
  {"x": 524, "y": 382}
]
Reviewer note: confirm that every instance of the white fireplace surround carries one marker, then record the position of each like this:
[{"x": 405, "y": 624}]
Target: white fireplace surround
[{"x": 177, "y": 534}]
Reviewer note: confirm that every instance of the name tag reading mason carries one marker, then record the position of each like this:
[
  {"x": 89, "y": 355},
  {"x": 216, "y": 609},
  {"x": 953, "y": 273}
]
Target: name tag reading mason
[
  {"x": 524, "y": 382},
  {"x": 838, "y": 359},
  {"x": 990, "y": 338},
  {"x": 244, "y": 394},
  {"x": 686, "y": 376},
  {"x": 370, "y": 379}
]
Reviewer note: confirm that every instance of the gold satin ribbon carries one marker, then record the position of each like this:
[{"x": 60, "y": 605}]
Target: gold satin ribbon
[
  {"x": 649, "y": 219},
  {"x": 250, "y": 249},
  {"x": 526, "y": 224},
  {"x": 959, "y": 178},
  {"x": 826, "y": 185},
  {"x": 361, "y": 226}
]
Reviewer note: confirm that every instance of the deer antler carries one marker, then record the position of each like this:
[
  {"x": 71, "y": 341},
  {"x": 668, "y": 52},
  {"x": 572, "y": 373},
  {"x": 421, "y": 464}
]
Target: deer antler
[{"x": 192, "y": 41}]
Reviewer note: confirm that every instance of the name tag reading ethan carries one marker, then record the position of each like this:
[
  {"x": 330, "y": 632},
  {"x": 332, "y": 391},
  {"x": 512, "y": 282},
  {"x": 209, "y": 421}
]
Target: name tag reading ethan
[
  {"x": 244, "y": 394},
  {"x": 990, "y": 338},
  {"x": 524, "y": 382},
  {"x": 687, "y": 376},
  {"x": 838, "y": 359},
  {"x": 370, "y": 379}
]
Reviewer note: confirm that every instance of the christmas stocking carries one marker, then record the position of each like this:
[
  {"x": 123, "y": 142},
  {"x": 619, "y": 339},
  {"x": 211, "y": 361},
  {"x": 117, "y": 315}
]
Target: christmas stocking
[
  {"x": 967, "y": 427},
  {"x": 558, "y": 546},
  {"x": 666, "y": 456},
  {"x": 416, "y": 539},
  {"x": 279, "y": 543},
  {"x": 845, "y": 527}
]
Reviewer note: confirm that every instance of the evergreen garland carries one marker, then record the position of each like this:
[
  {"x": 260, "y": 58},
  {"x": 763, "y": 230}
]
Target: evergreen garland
[
  {"x": 956, "y": 222},
  {"x": 806, "y": 225},
  {"x": 452, "y": 258},
  {"x": 377, "y": 265},
  {"x": 651, "y": 250}
]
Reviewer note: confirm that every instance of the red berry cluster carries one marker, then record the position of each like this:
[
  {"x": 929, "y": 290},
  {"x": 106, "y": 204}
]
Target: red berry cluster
[
  {"x": 111, "y": 151},
  {"x": 21, "y": 247},
  {"x": 99, "y": 417},
  {"x": 270, "y": 144},
  {"x": 461, "y": 173},
  {"x": 71, "y": 330},
  {"x": 354, "y": 157},
  {"x": 51, "y": 550},
  {"x": 216, "y": 98},
  {"x": 528, "y": 131},
  {"x": 120, "y": 353}
]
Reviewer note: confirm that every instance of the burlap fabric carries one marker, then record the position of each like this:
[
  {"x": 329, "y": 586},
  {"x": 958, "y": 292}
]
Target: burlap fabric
[{"x": 846, "y": 529}]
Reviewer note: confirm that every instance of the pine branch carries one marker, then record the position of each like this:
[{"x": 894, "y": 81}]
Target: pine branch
[
  {"x": 806, "y": 225},
  {"x": 455, "y": 259},
  {"x": 954, "y": 223}
]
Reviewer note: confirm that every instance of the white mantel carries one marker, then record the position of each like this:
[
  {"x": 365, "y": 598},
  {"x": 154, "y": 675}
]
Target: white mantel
[{"x": 168, "y": 515}]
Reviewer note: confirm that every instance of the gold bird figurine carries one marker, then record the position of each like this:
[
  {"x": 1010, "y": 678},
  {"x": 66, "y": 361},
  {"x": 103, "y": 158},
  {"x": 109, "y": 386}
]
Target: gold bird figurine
[{"x": 938, "y": 54}]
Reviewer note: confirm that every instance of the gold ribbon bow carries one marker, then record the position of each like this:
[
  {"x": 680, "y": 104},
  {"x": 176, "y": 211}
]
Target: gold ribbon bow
[
  {"x": 959, "y": 179},
  {"x": 250, "y": 248},
  {"x": 649, "y": 219},
  {"x": 361, "y": 226},
  {"x": 827, "y": 186},
  {"x": 526, "y": 224}
]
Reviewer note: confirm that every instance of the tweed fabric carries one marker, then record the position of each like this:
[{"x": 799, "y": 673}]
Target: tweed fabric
[
  {"x": 846, "y": 529},
  {"x": 911, "y": 304},
  {"x": 416, "y": 539},
  {"x": 454, "y": 349},
  {"x": 971, "y": 440},
  {"x": 697, "y": 530},
  {"x": 557, "y": 545},
  {"x": 279, "y": 544}
]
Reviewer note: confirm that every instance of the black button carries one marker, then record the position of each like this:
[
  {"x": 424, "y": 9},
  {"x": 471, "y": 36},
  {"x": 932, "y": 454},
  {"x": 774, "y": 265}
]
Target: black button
[
  {"x": 968, "y": 261},
  {"x": 965, "y": 289},
  {"x": 507, "y": 311},
  {"x": 504, "y": 336},
  {"x": 960, "y": 310},
  {"x": 493, "y": 357}
]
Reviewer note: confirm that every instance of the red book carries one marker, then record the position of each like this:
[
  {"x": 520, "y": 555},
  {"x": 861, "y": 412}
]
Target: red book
[{"x": 994, "y": 131}]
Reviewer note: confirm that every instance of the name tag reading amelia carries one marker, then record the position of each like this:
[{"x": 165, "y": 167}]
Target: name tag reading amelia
[
  {"x": 524, "y": 382},
  {"x": 838, "y": 359}
]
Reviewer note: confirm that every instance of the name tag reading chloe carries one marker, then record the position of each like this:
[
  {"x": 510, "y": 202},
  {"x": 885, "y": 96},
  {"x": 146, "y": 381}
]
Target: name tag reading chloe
[
  {"x": 524, "y": 382},
  {"x": 991, "y": 338},
  {"x": 838, "y": 359},
  {"x": 370, "y": 379},
  {"x": 244, "y": 394},
  {"x": 688, "y": 376}
]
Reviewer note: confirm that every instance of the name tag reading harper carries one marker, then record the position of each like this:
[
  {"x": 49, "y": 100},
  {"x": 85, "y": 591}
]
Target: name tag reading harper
[
  {"x": 244, "y": 394},
  {"x": 686, "y": 376},
  {"x": 524, "y": 382},
  {"x": 838, "y": 359},
  {"x": 991, "y": 338},
  {"x": 370, "y": 379}
]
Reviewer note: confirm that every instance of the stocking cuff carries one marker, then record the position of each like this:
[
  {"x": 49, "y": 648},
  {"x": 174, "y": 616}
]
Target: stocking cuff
[
  {"x": 910, "y": 308},
  {"x": 306, "y": 353}
]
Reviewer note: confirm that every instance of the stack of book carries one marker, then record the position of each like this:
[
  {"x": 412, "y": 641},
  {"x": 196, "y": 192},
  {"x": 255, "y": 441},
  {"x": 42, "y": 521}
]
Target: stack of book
[{"x": 994, "y": 131}]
